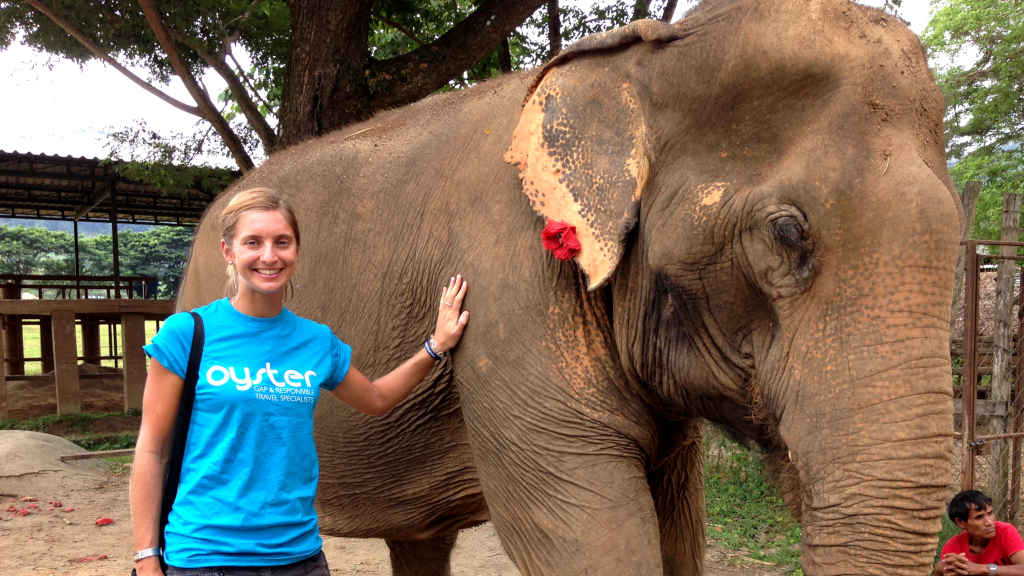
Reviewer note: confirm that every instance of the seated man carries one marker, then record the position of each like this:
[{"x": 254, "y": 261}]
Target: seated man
[{"x": 985, "y": 546}]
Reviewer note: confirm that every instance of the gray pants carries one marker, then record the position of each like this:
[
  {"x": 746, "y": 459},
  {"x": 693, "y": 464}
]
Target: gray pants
[{"x": 313, "y": 566}]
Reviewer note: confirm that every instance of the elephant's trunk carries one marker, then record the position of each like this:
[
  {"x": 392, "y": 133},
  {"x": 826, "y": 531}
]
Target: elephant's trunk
[{"x": 875, "y": 474}]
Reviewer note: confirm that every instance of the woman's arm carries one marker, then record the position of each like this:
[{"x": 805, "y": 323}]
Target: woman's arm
[
  {"x": 378, "y": 397},
  {"x": 159, "y": 408}
]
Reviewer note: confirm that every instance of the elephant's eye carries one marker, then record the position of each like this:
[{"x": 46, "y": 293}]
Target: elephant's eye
[{"x": 790, "y": 232}]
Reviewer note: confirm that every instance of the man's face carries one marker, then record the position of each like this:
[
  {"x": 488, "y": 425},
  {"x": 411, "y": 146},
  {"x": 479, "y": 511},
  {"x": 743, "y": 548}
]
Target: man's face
[{"x": 980, "y": 524}]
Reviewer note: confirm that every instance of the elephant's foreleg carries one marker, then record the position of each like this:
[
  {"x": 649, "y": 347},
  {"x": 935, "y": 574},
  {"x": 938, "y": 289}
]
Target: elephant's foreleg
[
  {"x": 567, "y": 492},
  {"x": 583, "y": 509},
  {"x": 677, "y": 486},
  {"x": 422, "y": 557}
]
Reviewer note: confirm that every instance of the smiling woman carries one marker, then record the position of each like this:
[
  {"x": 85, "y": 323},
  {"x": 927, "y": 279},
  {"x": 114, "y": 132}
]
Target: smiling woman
[
  {"x": 262, "y": 256},
  {"x": 262, "y": 426}
]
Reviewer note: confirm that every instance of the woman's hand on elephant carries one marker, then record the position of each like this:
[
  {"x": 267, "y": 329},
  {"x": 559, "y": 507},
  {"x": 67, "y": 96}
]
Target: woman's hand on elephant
[{"x": 451, "y": 318}]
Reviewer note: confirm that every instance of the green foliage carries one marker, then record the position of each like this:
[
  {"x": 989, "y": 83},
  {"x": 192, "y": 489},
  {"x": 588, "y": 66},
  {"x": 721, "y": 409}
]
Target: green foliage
[
  {"x": 35, "y": 251},
  {"x": 982, "y": 40},
  {"x": 69, "y": 423},
  {"x": 745, "y": 508},
  {"x": 260, "y": 32},
  {"x": 978, "y": 47},
  {"x": 530, "y": 41},
  {"x": 119, "y": 28},
  {"x": 160, "y": 251},
  {"x": 1001, "y": 172},
  {"x": 107, "y": 441},
  {"x": 77, "y": 428}
]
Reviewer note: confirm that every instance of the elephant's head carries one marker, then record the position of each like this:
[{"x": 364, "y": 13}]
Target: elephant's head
[{"x": 762, "y": 191}]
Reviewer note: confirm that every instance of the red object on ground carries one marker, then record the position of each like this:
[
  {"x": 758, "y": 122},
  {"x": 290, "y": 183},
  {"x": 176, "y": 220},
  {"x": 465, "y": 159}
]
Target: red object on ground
[
  {"x": 104, "y": 522},
  {"x": 71, "y": 509},
  {"x": 56, "y": 504},
  {"x": 560, "y": 238},
  {"x": 23, "y": 512},
  {"x": 92, "y": 558}
]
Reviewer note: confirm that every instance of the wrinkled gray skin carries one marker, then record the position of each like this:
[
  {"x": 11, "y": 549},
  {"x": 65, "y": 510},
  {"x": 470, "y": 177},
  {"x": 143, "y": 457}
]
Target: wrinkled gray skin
[{"x": 769, "y": 236}]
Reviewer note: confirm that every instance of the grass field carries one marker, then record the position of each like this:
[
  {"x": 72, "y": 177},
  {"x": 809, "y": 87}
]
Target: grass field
[
  {"x": 745, "y": 510},
  {"x": 30, "y": 335}
]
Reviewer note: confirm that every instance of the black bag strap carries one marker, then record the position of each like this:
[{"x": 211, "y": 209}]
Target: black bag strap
[{"x": 181, "y": 422}]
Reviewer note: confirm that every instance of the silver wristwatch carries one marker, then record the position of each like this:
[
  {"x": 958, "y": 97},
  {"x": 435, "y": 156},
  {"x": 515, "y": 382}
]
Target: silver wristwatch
[
  {"x": 992, "y": 568},
  {"x": 147, "y": 552}
]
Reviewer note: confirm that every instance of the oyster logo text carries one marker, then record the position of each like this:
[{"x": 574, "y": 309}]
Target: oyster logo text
[{"x": 219, "y": 375}]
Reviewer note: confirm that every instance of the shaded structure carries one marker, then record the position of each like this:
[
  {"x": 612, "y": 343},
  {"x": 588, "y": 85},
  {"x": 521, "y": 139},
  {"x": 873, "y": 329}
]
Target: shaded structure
[
  {"x": 42, "y": 187},
  {"x": 45, "y": 187}
]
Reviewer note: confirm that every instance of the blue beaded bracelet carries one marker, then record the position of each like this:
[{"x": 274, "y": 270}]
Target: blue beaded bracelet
[{"x": 430, "y": 350}]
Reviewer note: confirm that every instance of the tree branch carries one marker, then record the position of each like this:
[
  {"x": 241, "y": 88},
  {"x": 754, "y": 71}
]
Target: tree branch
[
  {"x": 248, "y": 83},
  {"x": 206, "y": 107},
  {"x": 505, "y": 56},
  {"x": 252, "y": 113},
  {"x": 670, "y": 9},
  {"x": 99, "y": 53},
  {"x": 239, "y": 21},
  {"x": 416, "y": 74},
  {"x": 554, "y": 29},
  {"x": 408, "y": 33}
]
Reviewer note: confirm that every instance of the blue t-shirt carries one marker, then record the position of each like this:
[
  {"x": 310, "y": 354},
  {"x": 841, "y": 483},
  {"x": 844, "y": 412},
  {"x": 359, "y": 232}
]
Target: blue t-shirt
[{"x": 250, "y": 468}]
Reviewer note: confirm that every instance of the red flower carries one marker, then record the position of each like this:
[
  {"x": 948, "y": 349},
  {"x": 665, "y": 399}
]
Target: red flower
[{"x": 560, "y": 239}]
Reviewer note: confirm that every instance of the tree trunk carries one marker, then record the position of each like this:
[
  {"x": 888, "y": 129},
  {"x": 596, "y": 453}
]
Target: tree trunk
[
  {"x": 969, "y": 200},
  {"x": 554, "y": 29},
  {"x": 327, "y": 58},
  {"x": 505, "y": 57},
  {"x": 333, "y": 82},
  {"x": 670, "y": 9},
  {"x": 1002, "y": 353}
]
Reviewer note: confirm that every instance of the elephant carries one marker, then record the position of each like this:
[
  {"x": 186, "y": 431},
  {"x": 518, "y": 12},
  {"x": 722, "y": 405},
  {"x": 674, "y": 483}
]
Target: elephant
[{"x": 743, "y": 218}]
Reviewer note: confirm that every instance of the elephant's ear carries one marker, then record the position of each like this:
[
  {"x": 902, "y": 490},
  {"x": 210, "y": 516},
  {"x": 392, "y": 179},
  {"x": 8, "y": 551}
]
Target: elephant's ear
[{"x": 582, "y": 150}]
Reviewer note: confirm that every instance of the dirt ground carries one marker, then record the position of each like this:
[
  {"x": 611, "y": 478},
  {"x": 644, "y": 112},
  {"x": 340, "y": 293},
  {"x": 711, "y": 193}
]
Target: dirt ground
[{"x": 51, "y": 512}]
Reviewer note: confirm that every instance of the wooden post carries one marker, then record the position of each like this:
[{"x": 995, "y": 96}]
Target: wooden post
[
  {"x": 46, "y": 343},
  {"x": 969, "y": 199},
  {"x": 3, "y": 368},
  {"x": 14, "y": 348},
  {"x": 69, "y": 397},
  {"x": 133, "y": 337},
  {"x": 1002, "y": 353},
  {"x": 91, "y": 340},
  {"x": 969, "y": 382}
]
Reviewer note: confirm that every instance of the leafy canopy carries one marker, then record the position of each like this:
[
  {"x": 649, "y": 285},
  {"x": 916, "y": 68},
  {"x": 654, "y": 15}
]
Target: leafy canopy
[
  {"x": 160, "y": 252},
  {"x": 982, "y": 42},
  {"x": 247, "y": 43}
]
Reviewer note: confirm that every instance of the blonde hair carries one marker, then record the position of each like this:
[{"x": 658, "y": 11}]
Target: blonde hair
[{"x": 261, "y": 199}]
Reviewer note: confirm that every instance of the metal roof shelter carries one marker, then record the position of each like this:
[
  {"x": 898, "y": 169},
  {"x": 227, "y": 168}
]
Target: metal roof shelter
[
  {"x": 42, "y": 187},
  {"x": 37, "y": 186},
  {"x": 87, "y": 189}
]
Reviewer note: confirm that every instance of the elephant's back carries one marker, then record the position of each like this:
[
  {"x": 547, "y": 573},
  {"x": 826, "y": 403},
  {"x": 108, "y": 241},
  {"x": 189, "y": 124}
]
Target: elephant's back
[{"x": 383, "y": 208}]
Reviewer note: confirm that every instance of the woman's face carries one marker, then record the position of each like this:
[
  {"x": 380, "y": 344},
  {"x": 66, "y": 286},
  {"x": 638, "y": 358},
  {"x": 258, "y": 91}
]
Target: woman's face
[{"x": 263, "y": 251}]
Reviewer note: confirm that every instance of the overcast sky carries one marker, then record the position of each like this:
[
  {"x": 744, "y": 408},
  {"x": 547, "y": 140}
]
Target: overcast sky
[{"x": 53, "y": 106}]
